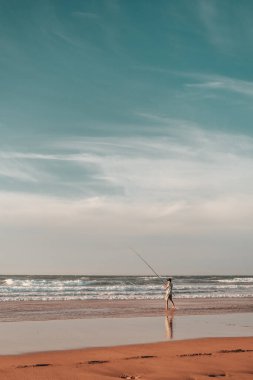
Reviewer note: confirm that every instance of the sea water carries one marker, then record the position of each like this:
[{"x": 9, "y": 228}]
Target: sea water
[
  {"x": 21, "y": 337},
  {"x": 27, "y": 288}
]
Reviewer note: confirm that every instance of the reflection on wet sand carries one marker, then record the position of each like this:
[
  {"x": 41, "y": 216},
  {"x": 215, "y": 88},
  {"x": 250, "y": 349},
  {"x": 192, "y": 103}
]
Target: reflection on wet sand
[{"x": 169, "y": 324}]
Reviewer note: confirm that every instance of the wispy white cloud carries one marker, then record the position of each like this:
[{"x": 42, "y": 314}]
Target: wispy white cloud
[
  {"x": 186, "y": 164},
  {"x": 184, "y": 178},
  {"x": 210, "y": 81},
  {"x": 16, "y": 170},
  {"x": 217, "y": 82}
]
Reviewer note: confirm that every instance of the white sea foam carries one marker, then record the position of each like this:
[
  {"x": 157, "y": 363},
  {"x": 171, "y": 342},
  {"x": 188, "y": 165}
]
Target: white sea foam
[
  {"x": 8, "y": 281},
  {"x": 237, "y": 279},
  {"x": 120, "y": 287}
]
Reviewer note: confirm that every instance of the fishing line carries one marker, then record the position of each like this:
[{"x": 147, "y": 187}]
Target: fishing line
[{"x": 145, "y": 262}]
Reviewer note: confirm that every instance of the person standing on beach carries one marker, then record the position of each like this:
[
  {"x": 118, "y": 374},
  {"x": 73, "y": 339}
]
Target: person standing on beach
[{"x": 168, "y": 293}]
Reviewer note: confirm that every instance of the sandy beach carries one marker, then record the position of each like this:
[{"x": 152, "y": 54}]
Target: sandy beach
[
  {"x": 190, "y": 359},
  {"x": 229, "y": 358}
]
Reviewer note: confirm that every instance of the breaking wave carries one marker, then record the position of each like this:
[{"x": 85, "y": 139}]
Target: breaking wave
[{"x": 27, "y": 288}]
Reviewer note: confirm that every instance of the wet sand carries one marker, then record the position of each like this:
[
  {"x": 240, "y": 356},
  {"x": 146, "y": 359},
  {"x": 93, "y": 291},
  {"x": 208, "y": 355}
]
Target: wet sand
[
  {"x": 14, "y": 311},
  {"x": 228, "y": 358}
]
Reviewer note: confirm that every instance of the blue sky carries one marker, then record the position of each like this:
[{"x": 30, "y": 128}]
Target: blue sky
[{"x": 126, "y": 123}]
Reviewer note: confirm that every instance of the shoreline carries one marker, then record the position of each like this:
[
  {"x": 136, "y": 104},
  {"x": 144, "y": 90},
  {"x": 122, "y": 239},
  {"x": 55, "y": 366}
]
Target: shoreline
[{"x": 16, "y": 311}]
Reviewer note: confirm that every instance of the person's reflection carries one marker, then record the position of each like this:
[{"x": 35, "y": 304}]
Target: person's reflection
[{"x": 169, "y": 324}]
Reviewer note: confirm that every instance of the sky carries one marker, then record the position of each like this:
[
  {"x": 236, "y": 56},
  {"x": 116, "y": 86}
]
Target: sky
[{"x": 126, "y": 124}]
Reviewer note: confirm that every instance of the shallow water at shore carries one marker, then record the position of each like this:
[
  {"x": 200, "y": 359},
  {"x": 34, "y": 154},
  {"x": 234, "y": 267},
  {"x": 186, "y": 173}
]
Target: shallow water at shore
[
  {"x": 21, "y": 337},
  {"x": 50, "y": 325}
]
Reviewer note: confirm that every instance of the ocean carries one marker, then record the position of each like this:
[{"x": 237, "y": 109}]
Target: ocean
[{"x": 28, "y": 288}]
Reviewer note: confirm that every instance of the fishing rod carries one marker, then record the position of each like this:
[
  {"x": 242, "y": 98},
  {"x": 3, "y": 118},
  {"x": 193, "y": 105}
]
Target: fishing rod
[{"x": 142, "y": 259}]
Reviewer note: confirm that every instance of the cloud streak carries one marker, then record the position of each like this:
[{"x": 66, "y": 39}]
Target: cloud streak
[
  {"x": 186, "y": 180},
  {"x": 217, "y": 82}
]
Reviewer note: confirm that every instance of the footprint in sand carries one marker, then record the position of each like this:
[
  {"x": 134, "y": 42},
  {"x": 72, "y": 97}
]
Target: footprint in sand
[
  {"x": 97, "y": 361},
  {"x": 237, "y": 350},
  {"x": 195, "y": 354},
  {"x": 216, "y": 374},
  {"x": 141, "y": 357},
  {"x": 34, "y": 365}
]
